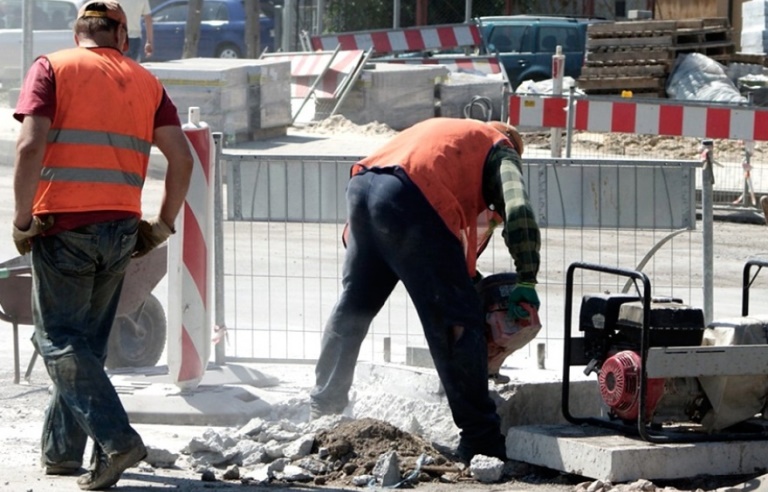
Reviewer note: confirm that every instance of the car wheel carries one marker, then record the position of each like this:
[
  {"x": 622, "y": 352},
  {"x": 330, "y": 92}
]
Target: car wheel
[
  {"x": 228, "y": 51},
  {"x": 138, "y": 339}
]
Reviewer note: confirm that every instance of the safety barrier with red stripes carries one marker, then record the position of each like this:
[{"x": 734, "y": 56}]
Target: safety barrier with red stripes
[
  {"x": 670, "y": 118},
  {"x": 306, "y": 67},
  {"x": 485, "y": 64},
  {"x": 386, "y": 41}
]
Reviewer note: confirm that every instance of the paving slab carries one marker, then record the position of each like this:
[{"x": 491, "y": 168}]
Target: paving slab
[{"x": 603, "y": 454}]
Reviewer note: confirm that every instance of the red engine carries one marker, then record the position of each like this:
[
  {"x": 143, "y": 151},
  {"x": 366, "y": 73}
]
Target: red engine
[{"x": 619, "y": 382}]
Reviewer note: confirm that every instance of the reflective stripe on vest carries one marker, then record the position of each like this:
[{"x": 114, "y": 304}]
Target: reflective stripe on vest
[{"x": 61, "y": 135}]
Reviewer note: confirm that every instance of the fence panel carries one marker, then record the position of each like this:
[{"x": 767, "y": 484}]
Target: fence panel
[{"x": 283, "y": 255}]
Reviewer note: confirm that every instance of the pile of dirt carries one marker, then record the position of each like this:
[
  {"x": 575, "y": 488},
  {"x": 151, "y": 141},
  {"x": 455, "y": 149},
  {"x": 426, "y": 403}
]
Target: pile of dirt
[
  {"x": 338, "y": 124},
  {"x": 355, "y": 446}
]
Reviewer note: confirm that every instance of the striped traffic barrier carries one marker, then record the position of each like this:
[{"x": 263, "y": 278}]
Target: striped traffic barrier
[
  {"x": 668, "y": 118},
  {"x": 334, "y": 68},
  {"x": 190, "y": 266},
  {"x": 386, "y": 41}
]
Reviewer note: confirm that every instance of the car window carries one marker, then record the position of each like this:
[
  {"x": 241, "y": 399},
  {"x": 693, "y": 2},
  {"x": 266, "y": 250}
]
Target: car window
[
  {"x": 508, "y": 39},
  {"x": 48, "y": 14},
  {"x": 214, "y": 11},
  {"x": 172, "y": 13},
  {"x": 550, "y": 37}
]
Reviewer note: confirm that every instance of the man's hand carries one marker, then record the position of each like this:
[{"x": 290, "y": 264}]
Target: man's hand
[
  {"x": 152, "y": 233},
  {"x": 523, "y": 292},
  {"x": 23, "y": 239}
]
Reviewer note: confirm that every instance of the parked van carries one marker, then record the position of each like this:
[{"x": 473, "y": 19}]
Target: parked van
[{"x": 525, "y": 44}]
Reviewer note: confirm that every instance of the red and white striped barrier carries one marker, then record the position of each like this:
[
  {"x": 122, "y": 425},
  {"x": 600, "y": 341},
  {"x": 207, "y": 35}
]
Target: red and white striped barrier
[
  {"x": 651, "y": 118},
  {"x": 306, "y": 67},
  {"x": 387, "y": 41},
  {"x": 190, "y": 266},
  {"x": 485, "y": 64}
]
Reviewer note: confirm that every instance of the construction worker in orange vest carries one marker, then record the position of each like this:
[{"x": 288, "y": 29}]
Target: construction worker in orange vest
[
  {"x": 419, "y": 210},
  {"x": 89, "y": 119}
]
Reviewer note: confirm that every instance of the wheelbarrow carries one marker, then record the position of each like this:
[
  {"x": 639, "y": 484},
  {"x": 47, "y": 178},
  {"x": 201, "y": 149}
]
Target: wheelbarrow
[{"x": 138, "y": 334}]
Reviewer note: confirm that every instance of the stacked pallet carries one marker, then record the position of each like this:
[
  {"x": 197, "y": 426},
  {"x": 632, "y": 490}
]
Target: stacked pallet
[{"x": 638, "y": 55}]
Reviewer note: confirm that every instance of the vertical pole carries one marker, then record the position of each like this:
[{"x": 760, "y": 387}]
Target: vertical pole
[
  {"x": 218, "y": 250},
  {"x": 467, "y": 11},
  {"x": 571, "y": 116},
  {"x": 320, "y": 14},
  {"x": 396, "y": 14},
  {"x": 558, "y": 67},
  {"x": 708, "y": 179},
  {"x": 27, "y": 42},
  {"x": 289, "y": 25}
]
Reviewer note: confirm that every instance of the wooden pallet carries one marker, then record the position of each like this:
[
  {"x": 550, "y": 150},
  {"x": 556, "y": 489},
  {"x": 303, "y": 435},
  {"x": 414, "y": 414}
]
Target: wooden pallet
[
  {"x": 750, "y": 58},
  {"x": 592, "y": 72},
  {"x": 622, "y": 83},
  {"x": 623, "y": 56}
]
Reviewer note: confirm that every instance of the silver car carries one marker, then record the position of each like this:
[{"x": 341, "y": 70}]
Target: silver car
[{"x": 52, "y": 23}]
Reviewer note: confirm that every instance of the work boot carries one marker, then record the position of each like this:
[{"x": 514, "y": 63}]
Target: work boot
[
  {"x": 764, "y": 206},
  {"x": 63, "y": 468},
  {"x": 106, "y": 469}
]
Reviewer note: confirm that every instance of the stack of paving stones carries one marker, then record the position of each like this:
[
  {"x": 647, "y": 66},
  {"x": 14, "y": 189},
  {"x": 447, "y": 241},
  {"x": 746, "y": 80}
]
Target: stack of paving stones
[
  {"x": 638, "y": 56},
  {"x": 243, "y": 99}
]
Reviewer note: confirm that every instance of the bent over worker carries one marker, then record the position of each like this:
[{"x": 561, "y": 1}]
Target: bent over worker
[
  {"x": 415, "y": 209},
  {"x": 89, "y": 118}
]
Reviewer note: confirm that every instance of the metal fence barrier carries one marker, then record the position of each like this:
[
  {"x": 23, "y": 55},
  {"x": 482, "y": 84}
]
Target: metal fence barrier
[{"x": 280, "y": 258}]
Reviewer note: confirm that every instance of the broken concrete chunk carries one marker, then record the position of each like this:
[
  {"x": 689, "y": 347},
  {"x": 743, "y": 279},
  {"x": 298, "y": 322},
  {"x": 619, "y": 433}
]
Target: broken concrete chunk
[
  {"x": 293, "y": 473},
  {"x": 387, "y": 469},
  {"x": 300, "y": 447},
  {"x": 363, "y": 480},
  {"x": 231, "y": 473},
  {"x": 486, "y": 469},
  {"x": 160, "y": 458}
]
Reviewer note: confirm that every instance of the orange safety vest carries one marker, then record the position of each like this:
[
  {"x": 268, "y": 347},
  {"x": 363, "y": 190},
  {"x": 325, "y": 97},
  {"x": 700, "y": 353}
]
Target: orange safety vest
[
  {"x": 99, "y": 143},
  {"x": 445, "y": 157}
]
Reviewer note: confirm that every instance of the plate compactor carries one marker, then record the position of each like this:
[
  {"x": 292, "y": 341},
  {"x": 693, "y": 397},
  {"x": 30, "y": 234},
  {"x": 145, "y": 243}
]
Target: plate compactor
[{"x": 662, "y": 374}]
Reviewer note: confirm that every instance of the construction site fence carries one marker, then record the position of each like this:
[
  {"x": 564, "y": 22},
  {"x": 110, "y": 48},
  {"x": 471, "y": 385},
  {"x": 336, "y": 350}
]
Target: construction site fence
[{"x": 279, "y": 254}]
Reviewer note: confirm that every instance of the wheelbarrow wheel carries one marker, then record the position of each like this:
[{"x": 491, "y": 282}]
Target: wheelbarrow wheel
[{"x": 138, "y": 339}]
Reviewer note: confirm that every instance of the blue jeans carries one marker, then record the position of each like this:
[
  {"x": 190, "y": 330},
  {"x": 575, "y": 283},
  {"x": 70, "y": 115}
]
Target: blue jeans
[
  {"x": 396, "y": 235},
  {"x": 76, "y": 283}
]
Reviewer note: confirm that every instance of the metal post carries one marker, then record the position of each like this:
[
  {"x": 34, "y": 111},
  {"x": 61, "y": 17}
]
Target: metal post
[
  {"x": 467, "y": 11},
  {"x": 558, "y": 67},
  {"x": 571, "y": 116},
  {"x": 320, "y": 10},
  {"x": 396, "y": 14},
  {"x": 218, "y": 250},
  {"x": 707, "y": 180},
  {"x": 27, "y": 37},
  {"x": 289, "y": 27}
]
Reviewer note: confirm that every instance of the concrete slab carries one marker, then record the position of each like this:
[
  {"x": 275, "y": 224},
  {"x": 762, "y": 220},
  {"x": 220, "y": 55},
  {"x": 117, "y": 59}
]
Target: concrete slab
[
  {"x": 603, "y": 454},
  {"x": 205, "y": 406},
  {"x": 226, "y": 396}
]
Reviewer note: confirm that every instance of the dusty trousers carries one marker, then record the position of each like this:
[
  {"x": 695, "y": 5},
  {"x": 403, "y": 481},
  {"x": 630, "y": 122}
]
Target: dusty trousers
[
  {"x": 396, "y": 235},
  {"x": 77, "y": 278}
]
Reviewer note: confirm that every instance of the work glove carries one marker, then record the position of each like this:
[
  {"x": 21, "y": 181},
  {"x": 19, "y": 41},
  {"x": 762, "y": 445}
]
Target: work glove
[
  {"x": 23, "y": 239},
  {"x": 523, "y": 292},
  {"x": 151, "y": 234}
]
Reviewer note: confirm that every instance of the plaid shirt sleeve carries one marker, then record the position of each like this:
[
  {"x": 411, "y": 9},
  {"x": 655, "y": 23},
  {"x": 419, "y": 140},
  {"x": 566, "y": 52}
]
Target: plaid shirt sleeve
[{"x": 507, "y": 193}]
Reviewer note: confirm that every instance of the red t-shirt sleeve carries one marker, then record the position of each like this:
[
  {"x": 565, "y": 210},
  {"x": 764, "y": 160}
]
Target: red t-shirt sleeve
[
  {"x": 38, "y": 92},
  {"x": 167, "y": 114}
]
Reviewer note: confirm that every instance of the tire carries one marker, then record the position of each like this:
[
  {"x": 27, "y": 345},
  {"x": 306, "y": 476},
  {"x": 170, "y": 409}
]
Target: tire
[
  {"x": 138, "y": 339},
  {"x": 228, "y": 50}
]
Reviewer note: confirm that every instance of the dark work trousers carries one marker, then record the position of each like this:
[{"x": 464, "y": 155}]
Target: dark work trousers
[{"x": 395, "y": 234}]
